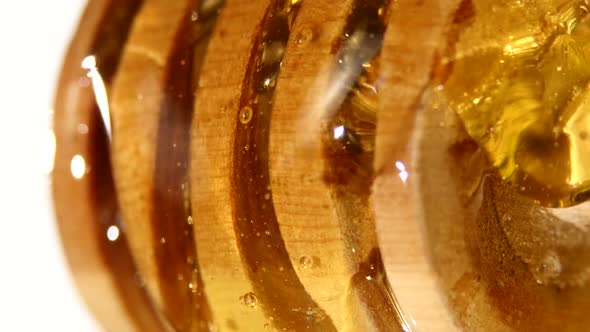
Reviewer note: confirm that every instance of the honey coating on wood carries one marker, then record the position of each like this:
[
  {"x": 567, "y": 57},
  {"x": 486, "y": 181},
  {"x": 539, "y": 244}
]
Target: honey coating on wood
[
  {"x": 326, "y": 220},
  {"x": 179, "y": 276},
  {"x": 172, "y": 279},
  {"x": 135, "y": 103},
  {"x": 305, "y": 211},
  {"x": 490, "y": 156},
  {"x": 229, "y": 288},
  {"x": 151, "y": 109},
  {"x": 349, "y": 140},
  {"x": 277, "y": 288}
]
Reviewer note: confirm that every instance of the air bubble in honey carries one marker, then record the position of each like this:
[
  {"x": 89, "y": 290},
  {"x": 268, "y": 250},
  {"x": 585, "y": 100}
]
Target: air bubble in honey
[
  {"x": 246, "y": 114},
  {"x": 304, "y": 36},
  {"x": 249, "y": 300},
  {"x": 548, "y": 269}
]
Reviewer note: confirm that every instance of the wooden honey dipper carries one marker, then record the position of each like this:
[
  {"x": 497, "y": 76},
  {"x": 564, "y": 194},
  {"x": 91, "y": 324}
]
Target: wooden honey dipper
[{"x": 305, "y": 165}]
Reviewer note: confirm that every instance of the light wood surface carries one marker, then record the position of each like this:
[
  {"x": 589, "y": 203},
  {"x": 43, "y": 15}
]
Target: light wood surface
[
  {"x": 216, "y": 110},
  {"x": 407, "y": 64},
  {"x": 326, "y": 240}
]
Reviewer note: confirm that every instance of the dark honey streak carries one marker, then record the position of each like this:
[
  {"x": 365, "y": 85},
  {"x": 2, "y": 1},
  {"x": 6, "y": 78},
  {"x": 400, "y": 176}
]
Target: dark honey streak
[
  {"x": 348, "y": 146},
  {"x": 106, "y": 45},
  {"x": 370, "y": 284},
  {"x": 277, "y": 288},
  {"x": 181, "y": 284},
  {"x": 116, "y": 253}
]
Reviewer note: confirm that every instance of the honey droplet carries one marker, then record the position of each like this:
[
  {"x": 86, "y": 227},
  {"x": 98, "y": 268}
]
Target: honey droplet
[
  {"x": 246, "y": 114},
  {"x": 250, "y": 300},
  {"x": 304, "y": 36},
  {"x": 548, "y": 269},
  {"x": 83, "y": 129}
]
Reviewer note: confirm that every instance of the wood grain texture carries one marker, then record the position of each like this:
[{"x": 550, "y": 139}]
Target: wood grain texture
[
  {"x": 278, "y": 289},
  {"x": 413, "y": 37},
  {"x": 301, "y": 199},
  {"x": 216, "y": 113},
  {"x": 326, "y": 241}
]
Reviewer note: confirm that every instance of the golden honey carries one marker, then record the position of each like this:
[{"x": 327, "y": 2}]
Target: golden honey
[{"x": 519, "y": 83}]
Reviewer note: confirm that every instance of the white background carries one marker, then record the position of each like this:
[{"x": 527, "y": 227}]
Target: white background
[{"x": 36, "y": 290}]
